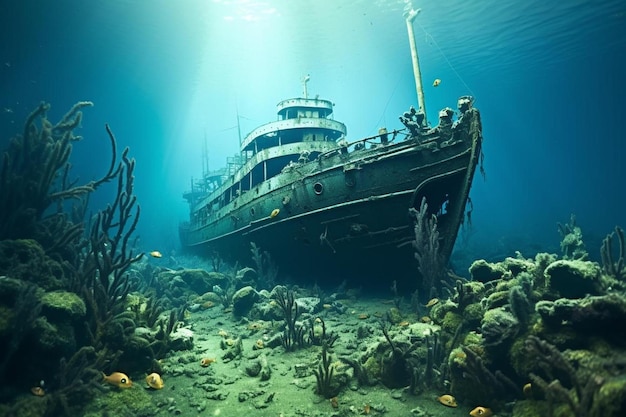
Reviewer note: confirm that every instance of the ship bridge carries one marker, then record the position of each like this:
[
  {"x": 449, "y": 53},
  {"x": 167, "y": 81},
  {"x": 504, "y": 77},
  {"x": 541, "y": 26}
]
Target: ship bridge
[{"x": 299, "y": 120}]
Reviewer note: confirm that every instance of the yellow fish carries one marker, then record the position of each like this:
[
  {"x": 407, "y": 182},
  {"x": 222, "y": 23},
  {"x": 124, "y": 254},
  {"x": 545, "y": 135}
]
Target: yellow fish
[
  {"x": 447, "y": 400},
  {"x": 481, "y": 412},
  {"x": 156, "y": 254},
  {"x": 274, "y": 213},
  {"x": 118, "y": 379},
  {"x": 436, "y": 82},
  {"x": 431, "y": 302},
  {"x": 154, "y": 381},
  {"x": 206, "y": 362}
]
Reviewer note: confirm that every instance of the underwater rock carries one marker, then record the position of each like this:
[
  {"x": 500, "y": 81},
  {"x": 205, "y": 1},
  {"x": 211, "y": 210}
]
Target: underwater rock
[
  {"x": 484, "y": 271},
  {"x": 243, "y": 300},
  {"x": 266, "y": 310},
  {"x": 517, "y": 265},
  {"x": 266, "y": 370},
  {"x": 598, "y": 314},
  {"x": 181, "y": 339},
  {"x": 252, "y": 368},
  {"x": 496, "y": 299},
  {"x": 26, "y": 260},
  {"x": 234, "y": 349},
  {"x": 246, "y": 276},
  {"x": 53, "y": 339},
  {"x": 62, "y": 305},
  {"x": 498, "y": 326},
  {"x": 574, "y": 278},
  {"x": 473, "y": 315},
  {"x": 9, "y": 290},
  {"x": 196, "y": 280},
  {"x": 308, "y": 305}
]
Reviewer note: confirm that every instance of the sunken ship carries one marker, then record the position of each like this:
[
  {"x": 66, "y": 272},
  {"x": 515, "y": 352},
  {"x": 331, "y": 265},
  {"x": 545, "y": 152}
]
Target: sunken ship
[{"x": 328, "y": 209}]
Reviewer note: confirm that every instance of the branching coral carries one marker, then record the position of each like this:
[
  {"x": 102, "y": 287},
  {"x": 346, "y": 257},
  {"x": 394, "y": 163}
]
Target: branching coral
[
  {"x": 40, "y": 203},
  {"x": 35, "y": 183},
  {"x": 107, "y": 256},
  {"x": 426, "y": 245},
  {"x": 324, "y": 375},
  {"x": 293, "y": 335},
  {"x": 494, "y": 386},
  {"x": 266, "y": 269},
  {"x": 612, "y": 267},
  {"x": 572, "y": 244},
  {"x": 577, "y": 393}
]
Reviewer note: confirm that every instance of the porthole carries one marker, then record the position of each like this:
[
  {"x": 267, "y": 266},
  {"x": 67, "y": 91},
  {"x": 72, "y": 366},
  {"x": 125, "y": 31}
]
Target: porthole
[
  {"x": 252, "y": 211},
  {"x": 318, "y": 188}
]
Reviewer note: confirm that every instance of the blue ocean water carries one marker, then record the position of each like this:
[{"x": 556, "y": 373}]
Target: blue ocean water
[{"x": 547, "y": 77}]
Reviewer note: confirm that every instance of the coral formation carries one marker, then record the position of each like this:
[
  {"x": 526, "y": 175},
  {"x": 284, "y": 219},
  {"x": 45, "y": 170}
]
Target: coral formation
[{"x": 65, "y": 277}]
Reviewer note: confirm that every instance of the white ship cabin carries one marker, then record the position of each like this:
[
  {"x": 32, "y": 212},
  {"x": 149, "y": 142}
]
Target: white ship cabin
[
  {"x": 299, "y": 120},
  {"x": 304, "y": 130}
]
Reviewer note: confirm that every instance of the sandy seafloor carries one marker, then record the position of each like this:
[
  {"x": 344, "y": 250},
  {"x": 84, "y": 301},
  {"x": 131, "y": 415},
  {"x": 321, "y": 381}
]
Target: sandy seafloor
[{"x": 224, "y": 388}]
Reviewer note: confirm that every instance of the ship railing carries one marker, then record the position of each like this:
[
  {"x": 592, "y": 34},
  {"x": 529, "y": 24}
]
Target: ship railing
[{"x": 375, "y": 140}]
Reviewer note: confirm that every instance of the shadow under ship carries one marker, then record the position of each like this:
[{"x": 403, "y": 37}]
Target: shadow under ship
[{"x": 328, "y": 210}]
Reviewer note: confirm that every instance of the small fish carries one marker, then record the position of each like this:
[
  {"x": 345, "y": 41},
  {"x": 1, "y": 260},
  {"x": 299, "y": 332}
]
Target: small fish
[
  {"x": 528, "y": 390},
  {"x": 206, "y": 362},
  {"x": 447, "y": 400},
  {"x": 431, "y": 302},
  {"x": 436, "y": 82},
  {"x": 118, "y": 379},
  {"x": 156, "y": 254},
  {"x": 38, "y": 391},
  {"x": 154, "y": 381},
  {"x": 274, "y": 213},
  {"x": 481, "y": 412}
]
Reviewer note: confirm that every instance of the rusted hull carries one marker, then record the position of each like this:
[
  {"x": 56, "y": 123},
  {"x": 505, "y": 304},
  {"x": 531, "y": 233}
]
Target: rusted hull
[{"x": 346, "y": 216}]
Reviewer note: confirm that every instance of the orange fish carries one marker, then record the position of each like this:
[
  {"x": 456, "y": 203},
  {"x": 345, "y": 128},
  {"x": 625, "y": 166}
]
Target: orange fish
[
  {"x": 156, "y": 254},
  {"x": 481, "y": 412},
  {"x": 154, "y": 381},
  {"x": 447, "y": 400},
  {"x": 118, "y": 379},
  {"x": 206, "y": 362}
]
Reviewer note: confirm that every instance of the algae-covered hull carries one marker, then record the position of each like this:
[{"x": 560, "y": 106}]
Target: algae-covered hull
[{"x": 345, "y": 214}]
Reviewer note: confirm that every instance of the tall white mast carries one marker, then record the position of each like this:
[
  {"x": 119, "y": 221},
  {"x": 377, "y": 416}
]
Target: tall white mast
[
  {"x": 305, "y": 80},
  {"x": 417, "y": 74}
]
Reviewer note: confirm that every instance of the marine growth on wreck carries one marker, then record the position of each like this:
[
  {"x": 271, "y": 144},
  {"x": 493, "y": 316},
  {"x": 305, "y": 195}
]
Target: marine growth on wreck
[{"x": 91, "y": 326}]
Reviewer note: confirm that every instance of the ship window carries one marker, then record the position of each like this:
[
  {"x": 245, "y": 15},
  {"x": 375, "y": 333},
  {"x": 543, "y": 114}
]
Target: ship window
[
  {"x": 318, "y": 188},
  {"x": 252, "y": 211}
]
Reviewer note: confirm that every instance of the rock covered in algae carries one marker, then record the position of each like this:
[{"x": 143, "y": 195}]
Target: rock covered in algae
[
  {"x": 243, "y": 300},
  {"x": 606, "y": 312},
  {"x": 196, "y": 280},
  {"x": 59, "y": 305},
  {"x": 26, "y": 260},
  {"x": 484, "y": 271},
  {"x": 498, "y": 326},
  {"x": 181, "y": 339},
  {"x": 574, "y": 278}
]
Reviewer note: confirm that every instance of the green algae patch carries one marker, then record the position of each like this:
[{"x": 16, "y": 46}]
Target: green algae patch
[{"x": 63, "y": 303}]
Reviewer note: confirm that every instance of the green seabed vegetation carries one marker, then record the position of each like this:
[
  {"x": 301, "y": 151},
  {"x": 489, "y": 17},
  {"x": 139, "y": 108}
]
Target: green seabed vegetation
[{"x": 538, "y": 336}]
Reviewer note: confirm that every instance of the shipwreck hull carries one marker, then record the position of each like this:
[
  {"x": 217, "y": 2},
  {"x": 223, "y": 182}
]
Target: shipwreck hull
[{"x": 345, "y": 215}]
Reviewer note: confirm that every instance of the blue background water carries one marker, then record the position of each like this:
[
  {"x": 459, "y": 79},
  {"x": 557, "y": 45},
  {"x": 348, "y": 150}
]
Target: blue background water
[{"x": 548, "y": 78}]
